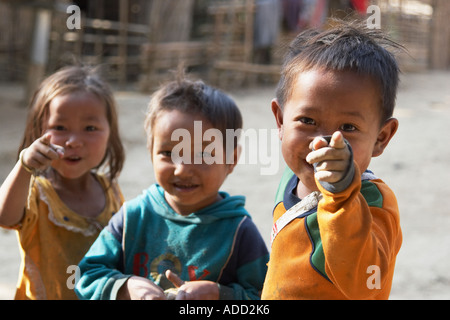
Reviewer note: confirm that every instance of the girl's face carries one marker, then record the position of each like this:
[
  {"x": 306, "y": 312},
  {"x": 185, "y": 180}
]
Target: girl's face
[
  {"x": 188, "y": 186},
  {"x": 78, "y": 122}
]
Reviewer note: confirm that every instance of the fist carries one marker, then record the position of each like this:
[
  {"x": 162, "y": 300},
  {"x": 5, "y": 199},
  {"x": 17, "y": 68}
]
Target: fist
[
  {"x": 41, "y": 153},
  {"x": 330, "y": 157}
]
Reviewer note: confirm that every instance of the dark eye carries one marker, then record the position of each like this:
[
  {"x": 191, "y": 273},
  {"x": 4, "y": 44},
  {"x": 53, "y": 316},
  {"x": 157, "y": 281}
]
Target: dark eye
[
  {"x": 203, "y": 154},
  {"x": 347, "y": 127},
  {"x": 307, "y": 120},
  {"x": 58, "y": 128},
  {"x": 166, "y": 153},
  {"x": 91, "y": 128}
]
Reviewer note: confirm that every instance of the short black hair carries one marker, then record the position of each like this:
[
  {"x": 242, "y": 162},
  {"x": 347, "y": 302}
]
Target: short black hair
[
  {"x": 195, "y": 97},
  {"x": 344, "y": 46}
]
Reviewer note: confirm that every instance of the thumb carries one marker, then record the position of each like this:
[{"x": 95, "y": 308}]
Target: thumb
[{"x": 174, "y": 278}]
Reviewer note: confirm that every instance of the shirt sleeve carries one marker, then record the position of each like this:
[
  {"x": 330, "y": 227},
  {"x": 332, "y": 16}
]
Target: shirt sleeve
[
  {"x": 100, "y": 278},
  {"x": 359, "y": 236},
  {"x": 244, "y": 275}
]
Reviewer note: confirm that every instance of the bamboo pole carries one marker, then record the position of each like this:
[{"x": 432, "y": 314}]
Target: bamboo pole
[
  {"x": 440, "y": 35},
  {"x": 123, "y": 47}
]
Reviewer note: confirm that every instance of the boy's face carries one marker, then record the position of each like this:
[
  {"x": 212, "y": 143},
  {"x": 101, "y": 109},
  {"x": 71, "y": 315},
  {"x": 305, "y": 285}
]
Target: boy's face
[
  {"x": 188, "y": 186},
  {"x": 323, "y": 102}
]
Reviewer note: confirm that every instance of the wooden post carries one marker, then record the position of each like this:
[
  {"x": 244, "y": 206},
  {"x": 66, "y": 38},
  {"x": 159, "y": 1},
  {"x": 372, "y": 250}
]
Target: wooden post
[
  {"x": 100, "y": 14},
  {"x": 39, "y": 50},
  {"x": 440, "y": 35},
  {"x": 249, "y": 20},
  {"x": 123, "y": 40}
]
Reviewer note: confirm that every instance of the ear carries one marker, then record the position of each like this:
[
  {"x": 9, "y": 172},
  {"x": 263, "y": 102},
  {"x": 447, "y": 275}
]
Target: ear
[
  {"x": 236, "y": 156},
  {"x": 278, "y": 113},
  {"x": 385, "y": 135}
]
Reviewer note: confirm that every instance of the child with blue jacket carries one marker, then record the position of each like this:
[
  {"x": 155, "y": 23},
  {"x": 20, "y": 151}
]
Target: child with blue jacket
[{"x": 182, "y": 238}]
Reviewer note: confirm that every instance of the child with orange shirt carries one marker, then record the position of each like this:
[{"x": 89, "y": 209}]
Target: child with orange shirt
[{"x": 336, "y": 228}]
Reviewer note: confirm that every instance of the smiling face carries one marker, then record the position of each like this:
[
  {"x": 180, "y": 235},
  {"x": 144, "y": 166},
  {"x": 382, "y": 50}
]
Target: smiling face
[
  {"x": 188, "y": 187},
  {"x": 78, "y": 122},
  {"x": 323, "y": 102}
]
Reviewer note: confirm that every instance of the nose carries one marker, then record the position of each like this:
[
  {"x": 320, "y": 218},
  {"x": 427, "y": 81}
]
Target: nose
[
  {"x": 183, "y": 169},
  {"x": 74, "y": 141}
]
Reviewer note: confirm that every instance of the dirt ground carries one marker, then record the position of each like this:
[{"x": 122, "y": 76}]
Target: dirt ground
[{"x": 415, "y": 165}]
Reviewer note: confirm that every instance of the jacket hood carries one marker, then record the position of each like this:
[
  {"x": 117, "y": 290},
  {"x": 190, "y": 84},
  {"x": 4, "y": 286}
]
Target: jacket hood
[{"x": 228, "y": 207}]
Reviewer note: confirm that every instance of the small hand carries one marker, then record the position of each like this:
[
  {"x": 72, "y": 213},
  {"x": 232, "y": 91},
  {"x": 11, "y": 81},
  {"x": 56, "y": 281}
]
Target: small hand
[
  {"x": 193, "y": 290},
  {"x": 40, "y": 154},
  {"x": 139, "y": 288},
  {"x": 331, "y": 159}
]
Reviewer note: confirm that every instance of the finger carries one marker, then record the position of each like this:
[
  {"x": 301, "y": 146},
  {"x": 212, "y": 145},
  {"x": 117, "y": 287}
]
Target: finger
[
  {"x": 40, "y": 160},
  {"x": 314, "y": 157},
  {"x": 332, "y": 165},
  {"x": 326, "y": 154},
  {"x": 318, "y": 143},
  {"x": 34, "y": 156},
  {"x": 58, "y": 149},
  {"x": 337, "y": 140},
  {"x": 47, "y": 152},
  {"x": 45, "y": 139},
  {"x": 154, "y": 296},
  {"x": 44, "y": 150},
  {"x": 174, "y": 278},
  {"x": 181, "y": 295},
  {"x": 329, "y": 176}
]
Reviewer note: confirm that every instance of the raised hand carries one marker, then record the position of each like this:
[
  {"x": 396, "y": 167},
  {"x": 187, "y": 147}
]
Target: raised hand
[{"x": 331, "y": 160}]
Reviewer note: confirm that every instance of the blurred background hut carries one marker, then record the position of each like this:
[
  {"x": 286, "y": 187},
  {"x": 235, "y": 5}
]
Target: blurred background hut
[{"x": 227, "y": 42}]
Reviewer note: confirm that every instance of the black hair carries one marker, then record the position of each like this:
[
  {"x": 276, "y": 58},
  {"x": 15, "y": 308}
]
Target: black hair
[
  {"x": 195, "y": 97},
  {"x": 345, "y": 46}
]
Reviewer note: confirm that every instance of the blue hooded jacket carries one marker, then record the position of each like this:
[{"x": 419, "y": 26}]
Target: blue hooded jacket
[{"x": 146, "y": 237}]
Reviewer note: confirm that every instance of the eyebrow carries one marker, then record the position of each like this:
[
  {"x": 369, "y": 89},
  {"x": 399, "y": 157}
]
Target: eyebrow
[
  {"x": 167, "y": 144},
  {"x": 313, "y": 111},
  {"x": 164, "y": 143},
  {"x": 91, "y": 118},
  {"x": 63, "y": 117},
  {"x": 355, "y": 114}
]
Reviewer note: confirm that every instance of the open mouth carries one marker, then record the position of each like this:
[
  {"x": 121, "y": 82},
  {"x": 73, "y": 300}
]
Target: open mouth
[{"x": 72, "y": 159}]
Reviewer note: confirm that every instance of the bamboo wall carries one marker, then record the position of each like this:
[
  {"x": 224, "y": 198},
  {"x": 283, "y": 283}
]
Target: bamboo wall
[{"x": 124, "y": 34}]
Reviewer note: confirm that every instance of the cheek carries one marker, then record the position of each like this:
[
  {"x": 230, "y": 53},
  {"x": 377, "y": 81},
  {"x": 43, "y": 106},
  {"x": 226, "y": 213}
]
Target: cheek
[
  {"x": 100, "y": 147},
  {"x": 101, "y": 139},
  {"x": 295, "y": 144},
  {"x": 58, "y": 138},
  {"x": 212, "y": 175},
  {"x": 162, "y": 172},
  {"x": 362, "y": 156}
]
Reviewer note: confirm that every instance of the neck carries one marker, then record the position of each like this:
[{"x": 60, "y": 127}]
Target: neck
[
  {"x": 303, "y": 190},
  {"x": 187, "y": 210},
  {"x": 76, "y": 185}
]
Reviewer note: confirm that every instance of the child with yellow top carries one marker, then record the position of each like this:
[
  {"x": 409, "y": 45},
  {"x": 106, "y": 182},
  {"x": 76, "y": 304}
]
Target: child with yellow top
[{"x": 55, "y": 196}]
